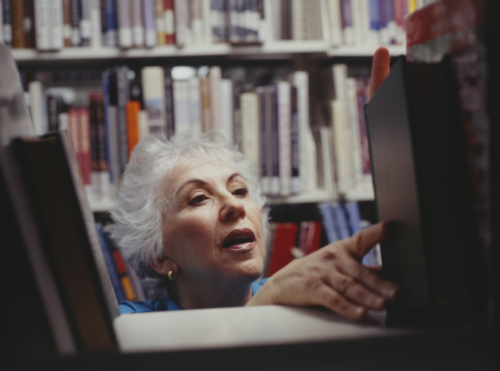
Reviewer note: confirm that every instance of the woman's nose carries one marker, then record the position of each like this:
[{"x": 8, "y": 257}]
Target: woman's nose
[{"x": 232, "y": 208}]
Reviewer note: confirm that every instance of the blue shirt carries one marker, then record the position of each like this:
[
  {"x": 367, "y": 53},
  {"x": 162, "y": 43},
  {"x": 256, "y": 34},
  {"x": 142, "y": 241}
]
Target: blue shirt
[{"x": 167, "y": 304}]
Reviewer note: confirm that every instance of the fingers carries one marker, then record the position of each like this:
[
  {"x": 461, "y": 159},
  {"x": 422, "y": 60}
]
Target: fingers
[
  {"x": 332, "y": 300},
  {"x": 359, "y": 244},
  {"x": 381, "y": 68},
  {"x": 354, "y": 291},
  {"x": 368, "y": 278}
]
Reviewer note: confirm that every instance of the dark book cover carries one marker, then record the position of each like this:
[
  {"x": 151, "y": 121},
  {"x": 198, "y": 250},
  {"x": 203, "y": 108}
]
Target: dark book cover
[
  {"x": 17, "y": 18},
  {"x": 29, "y": 24},
  {"x": 169, "y": 102}
]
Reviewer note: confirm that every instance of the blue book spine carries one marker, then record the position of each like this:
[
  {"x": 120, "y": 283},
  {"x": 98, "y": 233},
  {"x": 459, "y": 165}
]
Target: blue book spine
[
  {"x": 113, "y": 273},
  {"x": 341, "y": 222},
  {"x": 374, "y": 14},
  {"x": 328, "y": 222},
  {"x": 352, "y": 210},
  {"x": 110, "y": 34}
]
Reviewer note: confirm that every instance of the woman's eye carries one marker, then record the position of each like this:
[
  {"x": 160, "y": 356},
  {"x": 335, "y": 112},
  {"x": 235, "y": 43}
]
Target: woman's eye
[
  {"x": 197, "y": 200},
  {"x": 241, "y": 192}
]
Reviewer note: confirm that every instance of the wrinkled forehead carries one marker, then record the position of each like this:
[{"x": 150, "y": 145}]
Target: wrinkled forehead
[{"x": 194, "y": 167}]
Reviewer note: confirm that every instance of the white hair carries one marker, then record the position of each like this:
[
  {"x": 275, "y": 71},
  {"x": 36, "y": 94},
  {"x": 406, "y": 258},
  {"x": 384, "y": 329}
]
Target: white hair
[{"x": 142, "y": 205}]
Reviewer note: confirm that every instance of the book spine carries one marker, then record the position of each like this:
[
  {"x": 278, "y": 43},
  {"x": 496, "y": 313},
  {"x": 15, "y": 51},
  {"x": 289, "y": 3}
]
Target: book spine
[
  {"x": 182, "y": 107},
  {"x": 132, "y": 108},
  {"x": 284, "y": 137},
  {"x": 207, "y": 21},
  {"x": 237, "y": 129},
  {"x": 347, "y": 26},
  {"x": 298, "y": 20},
  {"x": 264, "y": 138},
  {"x": 17, "y": 14},
  {"x": 35, "y": 93},
  {"x": 274, "y": 149},
  {"x": 206, "y": 111},
  {"x": 215, "y": 77},
  {"x": 94, "y": 149},
  {"x": 2, "y": 40},
  {"x": 143, "y": 125},
  {"x": 153, "y": 90},
  {"x": 363, "y": 7},
  {"x": 354, "y": 216},
  {"x": 160, "y": 22},
  {"x": 384, "y": 32},
  {"x": 42, "y": 22},
  {"x": 110, "y": 25},
  {"x": 328, "y": 222},
  {"x": 374, "y": 16},
  {"x": 56, "y": 25},
  {"x": 168, "y": 6},
  {"x": 263, "y": 22},
  {"x": 391, "y": 21},
  {"x": 74, "y": 131},
  {"x": 226, "y": 108},
  {"x": 252, "y": 15},
  {"x": 66, "y": 23},
  {"x": 181, "y": 22},
  {"x": 362, "y": 86},
  {"x": 121, "y": 267},
  {"x": 150, "y": 39},
  {"x": 75, "y": 23},
  {"x": 341, "y": 222},
  {"x": 110, "y": 265},
  {"x": 28, "y": 24},
  {"x": 122, "y": 98},
  {"x": 169, "y": 103},
  {"x": 286, "y": 20},
  {"x": 136, "y": 7},
  {"x": 85, "y": 145},
  {"x": 85, "y": 25},
  {"x": 353, "y": 127},
  {"x": 124, "y": 23},
  {"x": 102, "y": 147},
  {"x": 197, "y": 21},
  {"x": 52, "y": 113},
  {"x": 334, "y": 16},
  {"x": 295, "y": 138},
  {"x": 7, "y": 25},
  {"x": 195, "y": 104},
  {"x": 250, "y": 145},
  {"x": 400, "y": 11},
  {"x": 234, "y": 36},
  {"x": 95, "y": 24}
]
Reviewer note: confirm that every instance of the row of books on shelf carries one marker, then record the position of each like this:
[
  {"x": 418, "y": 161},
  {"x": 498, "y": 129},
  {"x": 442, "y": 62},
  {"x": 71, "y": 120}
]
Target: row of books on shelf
[
  {"x": 368, "y": 22},
  {"x": 56, "y": 24},
  {"x": 268, "y": 123}
]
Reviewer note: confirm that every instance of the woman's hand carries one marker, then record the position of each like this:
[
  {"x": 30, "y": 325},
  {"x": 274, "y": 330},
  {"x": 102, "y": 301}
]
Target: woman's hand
[{"x": 332, "y": 277}]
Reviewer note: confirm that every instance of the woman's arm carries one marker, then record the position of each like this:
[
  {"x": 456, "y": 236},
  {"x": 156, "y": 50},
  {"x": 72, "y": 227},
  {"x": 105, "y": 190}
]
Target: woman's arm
[{"x": 332, "y": 277}]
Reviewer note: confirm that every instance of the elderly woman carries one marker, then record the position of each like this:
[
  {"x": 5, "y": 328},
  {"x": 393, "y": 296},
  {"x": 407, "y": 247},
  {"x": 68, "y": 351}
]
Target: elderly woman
[{"x": 190, "y": 219}]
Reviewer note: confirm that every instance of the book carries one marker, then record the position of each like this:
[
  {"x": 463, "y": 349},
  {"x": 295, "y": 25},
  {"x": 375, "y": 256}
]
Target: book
[
  {"x": 71, "y": 241},
  {"x": 273, "y": 148},
  {"x": 103, "y": 168},
  {"x": 329, "y": 222},
  {"x": 153, "y": 89},
  {"x": 195, "y": 104},
  {"x": 206, "y": 105},
  {"x": 35, "y": 94},
  {"x": 226, "y": 108},
  {"x": 335, "y": 22},
  {"x": 85, "y": 25},
  {"x": 295, "y": 142},
  {"x": 149, "y": 21},
  {"x": 285, "y": 235},
  {"x": 136, "y": 9},
  {"x": 169, "y": 102},
  {"x": 196, "y": 21},
  {"x": 309, "y": 237},
  {"x": 182, "y": 106},
  {"x": 132, "y": 108},
  {"x": 109, "y": 22},
  {"x": 76, "y": 37},
  {"x": 250, "y": 127},
  {"x": 66, "y": 23},
  {"x": 17, "y": 18},
  {"x": 123, "y": 95},
  {"x": 160, "y": 22},
  {"x": 168, "y": 8},
  {"x": 181, "y": 22},
  {"x": 95, "y": 24},
  {"x": 29, "y": 24},
  {"x": 6, "y": 22},
  {"x": 214, "y": 78},
  {"x": 124, "y": 23},
  {"x": 284, "y": 134}
]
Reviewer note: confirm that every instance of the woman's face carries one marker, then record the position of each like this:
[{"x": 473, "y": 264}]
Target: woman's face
[{"x": 214, "y": 231}]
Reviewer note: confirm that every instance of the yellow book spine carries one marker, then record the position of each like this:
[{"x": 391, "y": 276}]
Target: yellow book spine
[
  {"x": 412, "y": 5},
  {"x": 127, "y": 288}
]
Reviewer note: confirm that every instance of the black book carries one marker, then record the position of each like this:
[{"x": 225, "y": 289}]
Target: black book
[
  {"x": 423, "y": 187},
  {"x": 65, "y": 224}
]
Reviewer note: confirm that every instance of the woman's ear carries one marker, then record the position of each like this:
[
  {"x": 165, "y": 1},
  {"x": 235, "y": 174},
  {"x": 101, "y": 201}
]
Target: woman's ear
[{"x": 164, "y": 265}]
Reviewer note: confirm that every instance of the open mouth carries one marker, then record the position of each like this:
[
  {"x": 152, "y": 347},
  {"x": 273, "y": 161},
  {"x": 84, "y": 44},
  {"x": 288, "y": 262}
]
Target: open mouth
[{"x": 239, "y": 239}]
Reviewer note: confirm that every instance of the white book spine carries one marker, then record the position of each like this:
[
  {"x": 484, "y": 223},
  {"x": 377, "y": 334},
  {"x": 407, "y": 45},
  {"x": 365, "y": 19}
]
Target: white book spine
[
  {"x": 196, "y": 19},
  {"x": 340, "y": 148},
  {"x": 36, "y": 99},
  {"x": 124, "y": 24},
  {"x": 326, "y": 154},
  {"x": 298, "y": 20},
  {"x": 353, "y": 127},
  {"x": 285, "y": 137},
  {"x": 149, "y": 21},
  {"x": 364, "y": 21},
  {"x": 95, "y": 20},
  {"x": 273, "y": 12},
  {"x": 153, "y": 93},
  {"x": 307, "y": 146},
  {"x": 63, "y": 121},
  {"x": 182, "y": 106},
  {"x": 335, "y": 18},
  {"x": 195, "y": 101},
  {"x": 115, "y": 158},
  {"x": 42, "y": 24},
  {"x": 85, "y": 23},
  {"x": 207, "y": 22},
  {"x": 137, "y": 23},
  {"x": 356, "y": 21},
  {"x": 181, "y": 22},
  {"x": 250, "y": 127},
  {"x": 226, "y": 108},
  {"x": 56, "y": 25},
  {"x": 215, "y": 77},
  {"x": 1, "y": 25},
  {"x": 143, "y": 125}
]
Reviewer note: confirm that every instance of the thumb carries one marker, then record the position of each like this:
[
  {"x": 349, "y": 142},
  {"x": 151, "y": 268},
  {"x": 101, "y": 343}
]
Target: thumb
[
  {"x": 364, "y": 240},
  {"x": 381, "y": 68}
]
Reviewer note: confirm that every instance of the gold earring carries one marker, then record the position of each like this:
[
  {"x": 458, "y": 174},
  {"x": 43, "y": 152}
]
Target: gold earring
[{"x": 170, "y": 274}]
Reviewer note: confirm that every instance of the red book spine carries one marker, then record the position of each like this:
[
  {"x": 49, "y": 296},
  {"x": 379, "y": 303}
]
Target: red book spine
[
  {"x": 74, "y": 130},
  {"x": 284, "y": 240},
  {"x": 83, "y": 114},
  {"x": 168, "y": 8}
]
